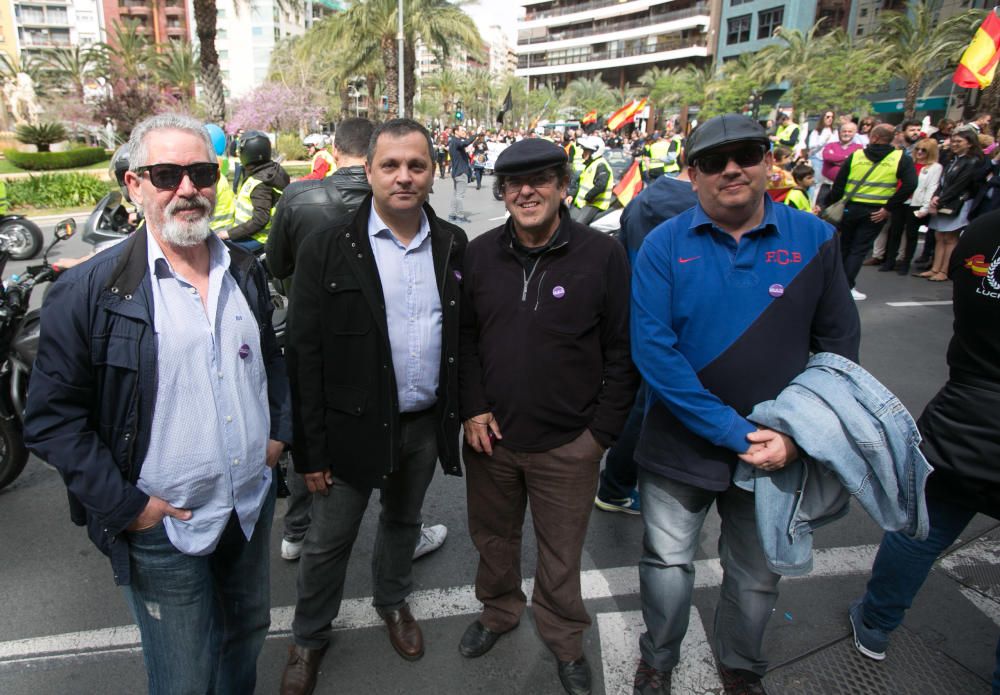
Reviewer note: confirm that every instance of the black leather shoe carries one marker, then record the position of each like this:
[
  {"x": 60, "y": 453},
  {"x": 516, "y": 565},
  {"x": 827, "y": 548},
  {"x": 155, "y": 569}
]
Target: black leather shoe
[
  {"x": 575, "y": 676},
  {"x": 477, "y": 640}
]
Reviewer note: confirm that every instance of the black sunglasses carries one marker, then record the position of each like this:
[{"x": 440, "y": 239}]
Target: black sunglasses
[
  {"x": 746, "y": 156},
  {"x": 921, "y": 150},
  {"x": 167, "y": 177}
]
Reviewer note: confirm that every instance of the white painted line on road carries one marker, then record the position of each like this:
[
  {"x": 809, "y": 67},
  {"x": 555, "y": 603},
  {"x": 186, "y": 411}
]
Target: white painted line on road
[
  {"x": 427, "y": 605},
  {"x": 695, "y": 674},
  {"x": 906, "y": 304},
  {"x": 502, "y": 217}
]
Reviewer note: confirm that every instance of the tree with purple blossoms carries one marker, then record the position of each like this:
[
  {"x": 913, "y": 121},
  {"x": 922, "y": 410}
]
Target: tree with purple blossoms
[{"x": 272, "y": 107}]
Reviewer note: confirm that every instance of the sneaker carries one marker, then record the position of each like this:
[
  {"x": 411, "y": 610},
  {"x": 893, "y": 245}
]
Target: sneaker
[
  {"x": 290, "y": 550},
  {"x": 629, "y": 505},
  {"x": 431, "y": 538},
  {"x": 649, "y": 681},
  {"x": 858, "y": 296},
  {"x": 736, "y": 682},
  {"x": 870, "y": 641}
]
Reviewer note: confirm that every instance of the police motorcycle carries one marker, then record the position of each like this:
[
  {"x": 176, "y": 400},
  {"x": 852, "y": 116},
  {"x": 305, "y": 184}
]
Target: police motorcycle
[
  {"x": 19, "y": 329},
  {"x": 20, "y": 236}
]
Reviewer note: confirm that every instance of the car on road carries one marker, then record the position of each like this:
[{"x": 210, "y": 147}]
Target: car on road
[{"x": 619, "y": 160}]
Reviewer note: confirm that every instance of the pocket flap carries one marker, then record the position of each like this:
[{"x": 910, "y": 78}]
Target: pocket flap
[
  {"x": 341, "y": 283},
  {"x": 347, "y": 399}
]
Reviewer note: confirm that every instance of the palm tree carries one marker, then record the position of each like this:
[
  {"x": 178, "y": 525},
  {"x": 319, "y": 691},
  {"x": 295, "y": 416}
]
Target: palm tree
[
  {"x": 518, "y": 87},
  {"x": 368, "y": 29},
  {"x": 131, "y": 54},
  {"x": 177, "y": 68},
  {"x": 697, "y": 85},
  {"x": 445, "y": 85},
  {"x": 585, "y": 94},
  {"x": 542, "y": 102},
  {"x": 480, "y": 93},
  {"x": 205, "y": 15},
  {"x": 75, "y": 66},
  {"x": 916, "y": 47},
  {"x": 794, "y": 58}
]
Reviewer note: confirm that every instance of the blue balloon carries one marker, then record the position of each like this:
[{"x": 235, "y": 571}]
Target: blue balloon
[{"x": 218, "y": 138}]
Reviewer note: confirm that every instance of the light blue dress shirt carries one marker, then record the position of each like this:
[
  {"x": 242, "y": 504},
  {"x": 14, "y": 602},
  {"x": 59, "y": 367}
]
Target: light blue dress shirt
[
  {"x": 412, "y": 310},
  {"x": 207, "y": 449}
]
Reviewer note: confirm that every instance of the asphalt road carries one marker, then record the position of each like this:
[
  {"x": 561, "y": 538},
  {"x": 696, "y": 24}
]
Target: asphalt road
[{"x": 65, "y": 628}]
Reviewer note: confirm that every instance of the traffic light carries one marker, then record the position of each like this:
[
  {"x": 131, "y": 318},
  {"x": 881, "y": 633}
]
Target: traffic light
[
  {"x": 754, "y": 104},
  {"x": 458, "y": 112}
]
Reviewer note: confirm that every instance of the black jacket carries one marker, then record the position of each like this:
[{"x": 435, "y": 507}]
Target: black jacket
[
  {"x": 906, "y": 175},
  {"x": 960, "y": 181},
  {"x": 90, "y": 404},
  {"x": 306, "y": 206},
  {"x": 547, "y": 350},
  {"x": 271, "y": 176},
  {"x": 459, "y": 157},
  {"x": 346, "y": 410}
]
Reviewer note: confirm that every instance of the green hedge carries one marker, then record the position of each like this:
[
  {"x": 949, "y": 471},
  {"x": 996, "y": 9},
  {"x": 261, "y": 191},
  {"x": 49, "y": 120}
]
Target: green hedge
[
  {"x": 291, "y": 146},
  {"x": 48, "y": 161},
  {"x": 56, "y": 190}
]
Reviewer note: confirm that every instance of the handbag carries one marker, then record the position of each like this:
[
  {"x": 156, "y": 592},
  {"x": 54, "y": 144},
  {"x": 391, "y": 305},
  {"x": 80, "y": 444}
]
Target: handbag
[{"x": 834, "y": 212}]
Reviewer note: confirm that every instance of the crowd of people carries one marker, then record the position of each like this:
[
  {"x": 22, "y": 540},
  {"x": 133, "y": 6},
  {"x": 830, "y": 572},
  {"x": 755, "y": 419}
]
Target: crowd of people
[{"x": 518, "y": 359}]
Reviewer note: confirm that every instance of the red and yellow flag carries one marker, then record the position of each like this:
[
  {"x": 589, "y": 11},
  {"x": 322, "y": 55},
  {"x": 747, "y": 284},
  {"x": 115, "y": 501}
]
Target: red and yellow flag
[
  {"x": 638, "y": 107},
  {"x": 625, "y": 114},
  {"x": 979, "y": 62},
  {"x": 589, "y": 118},
  {"x": 629, "y": 186}
]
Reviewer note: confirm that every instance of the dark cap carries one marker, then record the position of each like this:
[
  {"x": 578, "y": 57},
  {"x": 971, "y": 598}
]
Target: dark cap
[
  {"x": 528, "y": 156},
  {"x": 723, "y": 130}
]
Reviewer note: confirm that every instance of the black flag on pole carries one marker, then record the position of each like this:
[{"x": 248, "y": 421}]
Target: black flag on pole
[{"x": 505, "y": 107}]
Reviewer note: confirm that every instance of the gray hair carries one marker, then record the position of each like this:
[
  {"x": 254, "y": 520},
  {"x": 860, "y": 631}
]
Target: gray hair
[{"x": 138, "y": 151}]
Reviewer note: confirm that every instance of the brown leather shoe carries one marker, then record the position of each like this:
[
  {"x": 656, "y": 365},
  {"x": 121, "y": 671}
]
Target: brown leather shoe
[
  {"x": 404, "y": 632},
  {"x": 299, "y": 677},
  {"x": 874, "y": 261}
]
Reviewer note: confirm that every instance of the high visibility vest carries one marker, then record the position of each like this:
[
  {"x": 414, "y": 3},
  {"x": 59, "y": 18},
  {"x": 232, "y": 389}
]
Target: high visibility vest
[
  {"x": 880, "y": 184},
  {"x": 578, "y": 164},
  {"x": 323, "y": 154},
  {"x": 797, "y": 199},
  {"x": 784, "y": 132},
  {"x": 657, "y": 154},
  {"x": 225, "y": 206},
  {"x": 603, "y": 201},
  {"x": 676, "y": 142},
  {"x": 244, "y": 207}
]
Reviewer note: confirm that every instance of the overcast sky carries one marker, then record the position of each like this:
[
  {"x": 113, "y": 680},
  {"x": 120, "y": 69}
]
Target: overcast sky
[{"x": 486, "y": 14}]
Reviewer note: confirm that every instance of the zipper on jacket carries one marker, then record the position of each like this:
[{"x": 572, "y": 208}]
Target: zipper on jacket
[
  {"x": 538, "y": 295},
  {"x": 527, "y": 279}
]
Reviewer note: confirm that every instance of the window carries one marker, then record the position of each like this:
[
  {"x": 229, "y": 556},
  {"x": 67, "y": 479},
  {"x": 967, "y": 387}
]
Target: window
[
  {"x": 738, "y": 30},
  {"x": 734, "y": 3},
  {"x": 768, "y": 21},
  {"x": 864, "y": 12}
]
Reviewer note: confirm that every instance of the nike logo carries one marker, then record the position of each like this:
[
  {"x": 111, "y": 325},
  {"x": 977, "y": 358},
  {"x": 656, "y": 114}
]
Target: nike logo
[{"x": 688, "y": 260}]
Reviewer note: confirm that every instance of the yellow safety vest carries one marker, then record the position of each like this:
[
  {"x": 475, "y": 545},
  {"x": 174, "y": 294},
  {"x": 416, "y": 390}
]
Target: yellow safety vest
[
  {"x": 784, "y": 132},
  {"x": 603, "y": 201},
  {"x": 323, "y": 154},
  {"x": 225, "y": 206},
  {"x": 674, "y": 166},
  {"x": 244, "y": 207},
  {"x": 880, "y": 184},
  {"x": 797, "y": 199},
  {"x": 578, "y": 165}
]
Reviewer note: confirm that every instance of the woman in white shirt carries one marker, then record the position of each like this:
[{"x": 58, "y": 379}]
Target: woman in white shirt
[
  {"x": 817, "y": 139},
  {"x": 916, "y": 209}
]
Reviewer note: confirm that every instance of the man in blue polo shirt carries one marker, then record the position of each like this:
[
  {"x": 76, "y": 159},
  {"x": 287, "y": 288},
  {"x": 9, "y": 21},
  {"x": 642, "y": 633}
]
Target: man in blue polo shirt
[{"x": 728, "y": 301}]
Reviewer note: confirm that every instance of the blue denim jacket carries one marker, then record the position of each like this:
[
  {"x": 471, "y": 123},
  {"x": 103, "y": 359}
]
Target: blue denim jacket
[{"x": 857, "y": 441}]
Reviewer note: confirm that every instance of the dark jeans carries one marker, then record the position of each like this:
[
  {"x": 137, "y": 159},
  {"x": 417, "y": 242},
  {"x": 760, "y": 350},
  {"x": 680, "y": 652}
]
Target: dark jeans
[
  {"x": 902, "y": 565},
  {"x": 559, "y": 484},
  {"x": 336, "y": 518},
  {"x": 203, "y": 619},
  {"x": 899, "y": 223},
  {"x": 620, "y": 473},
  {"x": 477, "y": 171},
  {"x": 857, "y": 234},
  {"x": 251, "y": 245}
]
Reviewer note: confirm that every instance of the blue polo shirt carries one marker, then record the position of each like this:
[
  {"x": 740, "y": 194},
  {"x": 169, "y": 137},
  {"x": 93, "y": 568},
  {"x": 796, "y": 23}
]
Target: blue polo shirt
[{"x": 718, "y": 326}]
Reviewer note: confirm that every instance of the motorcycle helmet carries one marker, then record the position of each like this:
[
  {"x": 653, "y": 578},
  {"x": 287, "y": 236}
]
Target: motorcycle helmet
[
  {"x": 218, "y": 138},
  {"x": 117, "y": 169},
  {"x": 314, "y": 140},
  {"x": 592, "y": 143},
  {"x": 255, "y": 148}
]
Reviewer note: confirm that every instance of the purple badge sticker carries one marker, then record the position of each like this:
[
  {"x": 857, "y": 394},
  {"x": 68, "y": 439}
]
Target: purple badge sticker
[
  {"x": 776, "y": 290},
  {"x": 458, "y": 275},
  {"x": 244, "y": 351},
  {"x": 558, "y": 292}
]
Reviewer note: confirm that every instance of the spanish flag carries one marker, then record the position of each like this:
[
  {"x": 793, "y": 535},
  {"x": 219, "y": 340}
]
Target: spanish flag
[
  {"x": 589, "y": 118},
  {"x": 624, "y": 114},
  {"x": 638, "y": 107},
  {"x": 979, "y": 62},
  {"x": 629, "y": 186}
]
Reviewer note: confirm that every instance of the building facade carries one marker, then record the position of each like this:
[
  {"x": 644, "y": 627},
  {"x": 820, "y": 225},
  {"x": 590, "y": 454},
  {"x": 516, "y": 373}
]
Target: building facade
[
  {"x": 159, "y": 21},
  {"x": 746, "y": 26},
  {"x": 560, "y": 40}
]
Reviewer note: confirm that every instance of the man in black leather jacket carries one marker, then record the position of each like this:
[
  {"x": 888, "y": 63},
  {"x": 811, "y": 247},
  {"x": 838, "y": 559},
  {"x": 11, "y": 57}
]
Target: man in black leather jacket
[{"x": 318, "y": 204}]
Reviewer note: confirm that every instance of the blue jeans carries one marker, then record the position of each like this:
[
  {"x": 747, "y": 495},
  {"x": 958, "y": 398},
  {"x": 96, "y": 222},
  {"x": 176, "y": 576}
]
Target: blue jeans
[
  {"x": 902, "y": 565},
  {"x": 203, "y": 619},
  {"x": 250, "y": 244},
  {"x": 673, "y": 514}
]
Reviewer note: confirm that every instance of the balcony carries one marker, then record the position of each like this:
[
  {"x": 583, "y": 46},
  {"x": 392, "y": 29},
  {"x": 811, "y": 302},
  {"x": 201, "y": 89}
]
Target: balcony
[
  {"x": 614, "y": 57},
  {"x": 589, "y": 10},
  {"x": 610, "y": 26}
]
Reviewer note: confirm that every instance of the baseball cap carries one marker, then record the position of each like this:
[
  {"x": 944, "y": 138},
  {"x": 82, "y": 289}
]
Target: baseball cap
[{"x": 723, "y": 130}]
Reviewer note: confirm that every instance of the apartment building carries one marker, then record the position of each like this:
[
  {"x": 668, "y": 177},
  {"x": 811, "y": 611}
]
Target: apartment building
[
  {"x": 159, "y": 21},
  {"x": 560, "y": 40}
]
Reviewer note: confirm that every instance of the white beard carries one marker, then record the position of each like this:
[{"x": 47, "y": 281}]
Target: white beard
[{"x": 186, "y": 233}]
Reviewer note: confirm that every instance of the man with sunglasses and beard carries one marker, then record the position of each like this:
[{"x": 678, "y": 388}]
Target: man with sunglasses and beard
[
  {"x": 160, "y": 395},
  {"x": 546, "y": 385},
  {"x": 728, "y": 301}
]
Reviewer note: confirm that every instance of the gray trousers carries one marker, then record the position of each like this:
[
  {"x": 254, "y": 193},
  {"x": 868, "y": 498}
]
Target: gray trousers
[
  {"x": 673, "y": 514},
  {"x": 336, "y": 518},
  {"x": 458, "y": 201},
  {"x": 296, "y": 521}
]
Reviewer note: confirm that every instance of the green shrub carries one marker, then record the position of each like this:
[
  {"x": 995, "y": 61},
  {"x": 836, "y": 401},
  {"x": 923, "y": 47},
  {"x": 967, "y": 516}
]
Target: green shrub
[
  {"x": 56, "y": 190},
  {"x": 48, "y": 161},
  {"x": 41, "y": 135},
  {"x": 291, "y": 146}
]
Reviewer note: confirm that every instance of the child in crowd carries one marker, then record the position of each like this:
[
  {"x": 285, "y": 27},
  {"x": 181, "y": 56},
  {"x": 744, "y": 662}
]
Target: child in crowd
[{"x": 804, "y": 177}]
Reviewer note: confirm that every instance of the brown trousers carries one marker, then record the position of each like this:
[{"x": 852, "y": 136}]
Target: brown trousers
[{"x": 560, "y": 484}]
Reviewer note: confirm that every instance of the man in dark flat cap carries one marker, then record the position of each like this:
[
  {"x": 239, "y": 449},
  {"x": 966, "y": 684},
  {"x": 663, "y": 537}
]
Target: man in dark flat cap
[
  {"x": 728, "y": 300},
  {"x": 545, "y": 383}
]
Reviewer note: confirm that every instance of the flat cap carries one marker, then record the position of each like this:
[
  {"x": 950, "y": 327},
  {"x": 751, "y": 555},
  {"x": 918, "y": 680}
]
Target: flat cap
[
  {"x": 723, "y": 130},
  {"x": 528, "y": 156}
]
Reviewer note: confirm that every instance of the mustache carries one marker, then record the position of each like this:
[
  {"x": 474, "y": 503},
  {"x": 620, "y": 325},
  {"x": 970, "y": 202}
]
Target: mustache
[{"x": 195, "y": 202}]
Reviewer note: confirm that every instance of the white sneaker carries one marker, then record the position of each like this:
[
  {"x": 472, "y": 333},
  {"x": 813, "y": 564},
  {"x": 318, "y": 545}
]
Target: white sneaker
[
  {"x": 431, "y": 538},
  {"x": 290, "y": 550},
  {"x": 858, "y": 296}
]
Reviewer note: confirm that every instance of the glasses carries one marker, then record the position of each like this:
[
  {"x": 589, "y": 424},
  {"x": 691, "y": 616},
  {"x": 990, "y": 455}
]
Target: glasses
[
  {"x": 167, "y": 177},
  {"x": 715, "y": 163},
  {"x": 920, "y": 150},
  {"x": 514, "y": 185}
]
